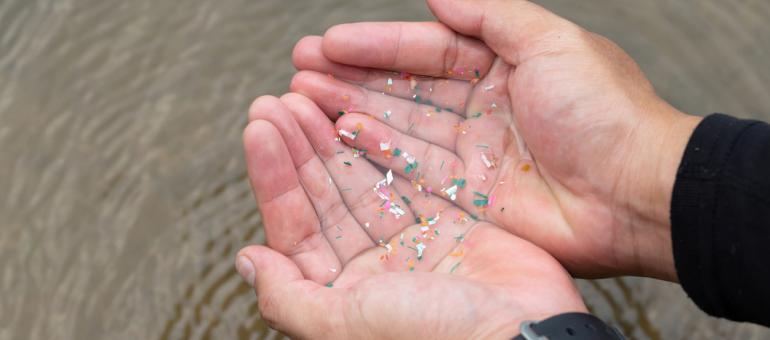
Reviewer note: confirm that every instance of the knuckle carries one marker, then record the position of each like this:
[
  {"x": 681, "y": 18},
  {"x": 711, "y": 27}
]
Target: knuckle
[{"x": 268, "y": 309}]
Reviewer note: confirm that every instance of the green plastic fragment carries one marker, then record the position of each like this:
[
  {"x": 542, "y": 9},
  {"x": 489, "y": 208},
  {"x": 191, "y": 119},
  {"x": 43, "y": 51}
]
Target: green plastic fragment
[
  {"x": 410, "y": 167},
  {"x": 396, "y": 152},
  {"x": 454, "y": 267},
  {"x": 330, "y": 284},
  {"x": 481, "y": 202},
  {"x": 460, "y": 182},
  {"x": 406, "y": 200}
]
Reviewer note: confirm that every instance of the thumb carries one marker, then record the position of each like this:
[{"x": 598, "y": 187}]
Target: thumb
[
  {"x": 514, "y": 29},
  {"x": 287, "y": 302}
]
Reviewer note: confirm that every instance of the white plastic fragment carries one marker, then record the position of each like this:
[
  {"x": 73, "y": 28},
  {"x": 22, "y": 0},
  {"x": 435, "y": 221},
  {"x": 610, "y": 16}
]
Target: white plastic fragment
[
  {"x": 451, "y": 192},
  {"x": 384, "y": 146},
  {"x": 389, "y": 177},
  {"x": 396, "y": 210},
  {"x": 348, "y": 134},
  {"x": 487, "y": 163},
  {"x": 420, "y": 248},
  {"x": 489, "y": 87}
]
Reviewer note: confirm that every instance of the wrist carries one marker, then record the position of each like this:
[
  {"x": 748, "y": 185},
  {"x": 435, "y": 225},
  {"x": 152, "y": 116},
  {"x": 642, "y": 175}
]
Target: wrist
[{"x": 659, "y": 145}]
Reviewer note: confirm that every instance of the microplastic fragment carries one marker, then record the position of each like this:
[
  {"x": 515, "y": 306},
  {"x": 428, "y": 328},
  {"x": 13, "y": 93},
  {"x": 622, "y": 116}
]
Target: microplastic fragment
[
  {"x": 410, "y": 167},
  {"x": 330, "y": 284},
  {"x": 389, "y": 177},
  {"x": 387, "y": 114},
  {"x": 366, "y": 225},
  {"x": 351, "y": 135},
  {"x": 451, "y": 192},
  {"x": 420, "y": 248},
  {"x": 384, "y": 146},
  {"x": 390, "y": 81},
  {"x": 480, "y": 202},
  {"x": 333, "y": 270},
  {"x": 409, "y": 158},
  {"x": 396, "y": 152},
  {"x": 348, "y": 163},
  {"x": 341, "y": 113},
  {"x": 487, "y": 162},
  {"x": 460, "y": 182},
  {"x": 406, "y": 200},
  {"x": 489, "y": 87},
  {"x": 454, "y": 267}
]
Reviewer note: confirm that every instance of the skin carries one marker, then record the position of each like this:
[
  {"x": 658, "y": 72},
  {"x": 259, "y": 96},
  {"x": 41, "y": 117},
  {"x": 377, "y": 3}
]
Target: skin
[
  {"x": 585, "y": 154},
  {"x": 473, "y": 281}
]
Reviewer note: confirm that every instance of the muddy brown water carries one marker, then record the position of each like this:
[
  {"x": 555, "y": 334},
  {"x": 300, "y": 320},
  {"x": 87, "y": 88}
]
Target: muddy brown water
[{"x": 123, "y": 192}]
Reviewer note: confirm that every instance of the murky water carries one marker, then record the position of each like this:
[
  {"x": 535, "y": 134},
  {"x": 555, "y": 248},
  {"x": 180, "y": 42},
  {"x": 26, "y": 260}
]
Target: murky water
[{"x": 123, "y": 192}]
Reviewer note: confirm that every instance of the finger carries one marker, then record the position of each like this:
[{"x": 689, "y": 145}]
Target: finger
[
  {"x": 425, "y": 48},
  {"x": 422, "y": 121},
  {"x": 291, "y": 225},
  {"x": 287, "y": 302},
  {"x": 422, "y": 203},
  {"x": 375, "y": 204},
  {"x": 431, "y": 167},
  {"x": 338, "y": 225},
  {"x": 444, "y": 94},
  {"x": 515, "y": 30},
  {"x": 419, "y": 248}
]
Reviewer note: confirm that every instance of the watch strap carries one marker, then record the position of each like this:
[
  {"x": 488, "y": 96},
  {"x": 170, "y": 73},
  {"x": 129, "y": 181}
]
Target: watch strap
[{"x": 573, "y": 326}]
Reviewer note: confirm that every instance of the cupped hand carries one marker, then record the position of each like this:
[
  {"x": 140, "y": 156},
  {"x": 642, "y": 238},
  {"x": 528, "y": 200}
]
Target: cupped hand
[
  {"x": 554, "y": 132},
  {"x": 354, "y": 254}
]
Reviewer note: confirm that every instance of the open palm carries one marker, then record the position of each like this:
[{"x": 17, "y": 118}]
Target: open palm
[
  {"x": 397, "y": 262},
  {"x": 537, "y": 129}
]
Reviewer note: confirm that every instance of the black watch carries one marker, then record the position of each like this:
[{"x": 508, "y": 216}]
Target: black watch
[{"x": 573, "y": 326}]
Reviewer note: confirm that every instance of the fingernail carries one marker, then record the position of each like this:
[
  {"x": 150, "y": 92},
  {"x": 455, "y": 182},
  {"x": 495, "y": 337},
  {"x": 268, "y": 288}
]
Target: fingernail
[{"x": 246, "y": 269}]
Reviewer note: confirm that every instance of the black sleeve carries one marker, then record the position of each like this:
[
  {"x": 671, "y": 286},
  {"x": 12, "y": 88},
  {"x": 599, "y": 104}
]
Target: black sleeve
[{"x": 720, "y": 219}]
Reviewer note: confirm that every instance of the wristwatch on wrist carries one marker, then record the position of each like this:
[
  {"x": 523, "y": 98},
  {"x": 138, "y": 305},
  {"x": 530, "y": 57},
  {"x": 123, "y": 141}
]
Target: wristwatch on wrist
[{"x": 572, "y": 326}]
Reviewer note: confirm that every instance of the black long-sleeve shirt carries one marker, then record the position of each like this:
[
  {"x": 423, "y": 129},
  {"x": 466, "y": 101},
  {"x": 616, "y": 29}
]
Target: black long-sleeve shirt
[{"x": 720, "y": 219}]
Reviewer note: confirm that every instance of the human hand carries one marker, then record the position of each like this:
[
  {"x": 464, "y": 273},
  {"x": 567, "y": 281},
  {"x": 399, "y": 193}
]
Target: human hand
[
  {"x": 584, "y": 152},
  {"x": 323, "y": 224}
]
